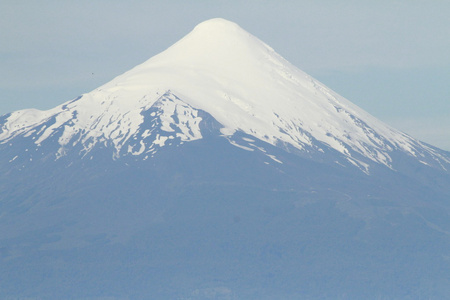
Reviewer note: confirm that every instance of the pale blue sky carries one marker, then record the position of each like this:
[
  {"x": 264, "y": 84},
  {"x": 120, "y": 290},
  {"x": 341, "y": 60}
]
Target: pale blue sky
[{"x": 392, "y": 58}]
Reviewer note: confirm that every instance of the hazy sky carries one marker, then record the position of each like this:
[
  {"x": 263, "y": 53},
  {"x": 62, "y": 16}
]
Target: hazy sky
[{"x": 392, "y": 58}]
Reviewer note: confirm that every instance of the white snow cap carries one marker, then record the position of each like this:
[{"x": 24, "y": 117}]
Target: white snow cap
[{"x": 227, "y": 72}]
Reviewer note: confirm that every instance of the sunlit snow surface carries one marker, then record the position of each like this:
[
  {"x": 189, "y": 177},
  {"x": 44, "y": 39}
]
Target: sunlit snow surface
[{"x": 223, "y": 70}]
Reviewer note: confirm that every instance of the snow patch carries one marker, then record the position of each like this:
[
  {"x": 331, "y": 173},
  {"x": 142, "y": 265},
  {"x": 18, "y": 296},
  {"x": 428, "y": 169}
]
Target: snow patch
[
  {"x": 274, "y": 158},
  {"x": 240, "y": 146},
  {"x": 160, "y": 140}
]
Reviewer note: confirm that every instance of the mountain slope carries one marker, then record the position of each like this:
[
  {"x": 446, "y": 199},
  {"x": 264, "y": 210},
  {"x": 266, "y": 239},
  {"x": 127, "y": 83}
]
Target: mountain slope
[
  {"x": 217, "y": 170},
  {"x": 223, "y": 70}
]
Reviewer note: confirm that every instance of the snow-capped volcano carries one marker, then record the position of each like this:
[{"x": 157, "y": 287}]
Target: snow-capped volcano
[
  {"x": 217, "y": 170},
  {"x": 221, "y": 69}
]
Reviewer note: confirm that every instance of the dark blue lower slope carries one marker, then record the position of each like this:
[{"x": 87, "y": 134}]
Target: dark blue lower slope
[{"x": 208, "y": 220}]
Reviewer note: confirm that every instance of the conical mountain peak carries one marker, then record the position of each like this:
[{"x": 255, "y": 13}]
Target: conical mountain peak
[
  {"x": 220, "y": 34},
  {"x": 215, "y": 44},
  {"x": 217, "y": 170},
  {"x": 243, "y": 84},
  {"x": 217, "y": 26}
]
